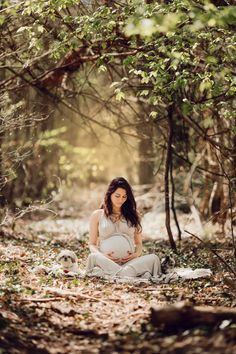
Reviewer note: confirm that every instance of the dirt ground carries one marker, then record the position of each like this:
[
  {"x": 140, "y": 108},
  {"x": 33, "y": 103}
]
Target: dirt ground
[{"x": 97, "y": 316}]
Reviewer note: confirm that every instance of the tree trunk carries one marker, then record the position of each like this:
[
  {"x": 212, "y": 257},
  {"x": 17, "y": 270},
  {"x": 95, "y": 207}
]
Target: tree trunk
[
  {"x": 167, "y": 174},
  {"x": 173, "y": 198},
  {"x": 2, "y": 134},
  {"x": 2, "y": 199}
]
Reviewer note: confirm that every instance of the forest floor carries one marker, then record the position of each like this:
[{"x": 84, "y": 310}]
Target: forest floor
[{"x": 97, "y": 316}]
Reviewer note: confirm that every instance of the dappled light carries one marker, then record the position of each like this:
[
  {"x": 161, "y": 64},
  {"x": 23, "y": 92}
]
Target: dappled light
[{"x": 117, "y": 176}]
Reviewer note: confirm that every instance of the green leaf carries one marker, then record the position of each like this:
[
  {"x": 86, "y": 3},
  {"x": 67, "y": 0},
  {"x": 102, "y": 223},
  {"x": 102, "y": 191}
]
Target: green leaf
[
  {"x": 102, "y": 68},
  {"x": 205, "y": 85},
  {"x": 208, "y": 122},
  {"x": 119, "y": 94},
  {"x": 144, "y": 93},
  {"x": 153, "y": 114},
  {"x": 129, "y": 60},
  {"x": 147, "y": 27},
  {"x": 2, "y": 19},
  {"x": 186, "y": 108},
  {"x": 115, "y": 83}
]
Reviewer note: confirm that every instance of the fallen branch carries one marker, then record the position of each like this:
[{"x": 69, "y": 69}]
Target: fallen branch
[
  {"x": 35, "y": 299},
  {"x": 183, "y": 315},
  {"x": 68, "y": 293}
]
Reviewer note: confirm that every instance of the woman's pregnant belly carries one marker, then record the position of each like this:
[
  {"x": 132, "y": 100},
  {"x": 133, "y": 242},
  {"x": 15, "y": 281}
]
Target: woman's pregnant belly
[{"x": 119, "y": 244}]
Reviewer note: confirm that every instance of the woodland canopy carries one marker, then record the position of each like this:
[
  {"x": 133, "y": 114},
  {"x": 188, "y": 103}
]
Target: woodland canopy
[{"x": 158, "y": 75}]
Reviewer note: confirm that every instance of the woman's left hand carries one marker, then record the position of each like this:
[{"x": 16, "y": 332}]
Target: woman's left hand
[{"x": 129, "y": 257}]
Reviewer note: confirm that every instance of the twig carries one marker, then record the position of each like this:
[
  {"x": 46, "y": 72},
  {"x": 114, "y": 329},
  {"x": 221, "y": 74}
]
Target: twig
[
  {"x": 45, "y": 299},
  {"x": 213, "y": 251},
  {"x": 62, "y": 292}
]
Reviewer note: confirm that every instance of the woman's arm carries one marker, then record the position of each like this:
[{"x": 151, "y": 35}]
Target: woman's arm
[
  {"x": 138, "y": 243},
  {"x": 93, "y": 235},
  {"x": 138, "y": 247},
  {"x": 93, "y": 231}
]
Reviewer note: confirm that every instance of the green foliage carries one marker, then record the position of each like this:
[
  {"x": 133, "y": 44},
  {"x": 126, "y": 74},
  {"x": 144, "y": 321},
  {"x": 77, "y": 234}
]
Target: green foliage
[
  {"x": 179, "y": 54},
  {"x": 74, "y": 164},
  {"x": 187, "y": 47},
  {"x": 119, "y": 94}
]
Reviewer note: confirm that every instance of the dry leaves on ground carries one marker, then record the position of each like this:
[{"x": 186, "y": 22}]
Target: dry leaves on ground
[{"x": 47, "y": 314}]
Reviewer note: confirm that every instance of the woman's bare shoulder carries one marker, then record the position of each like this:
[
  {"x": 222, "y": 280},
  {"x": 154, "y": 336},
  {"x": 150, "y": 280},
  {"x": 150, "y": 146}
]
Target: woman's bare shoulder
[{"x": 96, "y": 214}]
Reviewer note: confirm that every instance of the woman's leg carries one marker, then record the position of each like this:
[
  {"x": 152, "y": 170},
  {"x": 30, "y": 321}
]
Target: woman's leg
[
  {"x": 148, "y": 263},
  {"x": 99, "y": 260},
  {"x": 138, "y": 266},
  {"x": 126, "y": 271}
]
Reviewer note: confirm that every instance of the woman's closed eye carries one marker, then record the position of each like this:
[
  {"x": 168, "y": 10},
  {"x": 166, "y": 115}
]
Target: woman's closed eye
[{"x": 124, "y": 197}]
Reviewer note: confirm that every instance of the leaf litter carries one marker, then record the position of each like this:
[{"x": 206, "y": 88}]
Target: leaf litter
[{"x": 48, "y": 314}]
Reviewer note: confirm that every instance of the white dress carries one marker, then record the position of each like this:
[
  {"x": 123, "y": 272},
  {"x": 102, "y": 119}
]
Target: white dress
[{"x": 98, "y": 264}]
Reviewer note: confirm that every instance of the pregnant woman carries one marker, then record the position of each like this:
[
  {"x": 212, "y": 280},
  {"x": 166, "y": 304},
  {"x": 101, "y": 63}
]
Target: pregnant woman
[{"x": 115, "y": 239}]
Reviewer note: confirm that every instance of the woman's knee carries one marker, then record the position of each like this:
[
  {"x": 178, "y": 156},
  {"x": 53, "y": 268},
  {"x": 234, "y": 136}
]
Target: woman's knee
[
  {"x": 154, "y": 257},
  {"x": 92, "y": 256}
]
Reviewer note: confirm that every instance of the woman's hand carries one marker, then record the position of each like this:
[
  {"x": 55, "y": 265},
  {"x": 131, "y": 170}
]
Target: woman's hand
[
  {"x": 129, "y": 257},
  {"x": 111, "y": 257}
]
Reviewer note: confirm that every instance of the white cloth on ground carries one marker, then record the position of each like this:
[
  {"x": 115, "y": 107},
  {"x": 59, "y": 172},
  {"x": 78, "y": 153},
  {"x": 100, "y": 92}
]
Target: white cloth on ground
[{"x": 189, "y": 273}]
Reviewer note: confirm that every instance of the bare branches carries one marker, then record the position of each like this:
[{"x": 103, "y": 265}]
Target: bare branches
[
  {"x": 200, "y": 131},
  {"x": 214, "y": 252}
]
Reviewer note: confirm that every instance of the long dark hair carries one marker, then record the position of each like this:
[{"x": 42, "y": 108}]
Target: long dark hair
[{"x": 129, "y": 208}]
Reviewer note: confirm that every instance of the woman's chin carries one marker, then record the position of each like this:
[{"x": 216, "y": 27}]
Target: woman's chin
[{"x": 118, "y": 206}]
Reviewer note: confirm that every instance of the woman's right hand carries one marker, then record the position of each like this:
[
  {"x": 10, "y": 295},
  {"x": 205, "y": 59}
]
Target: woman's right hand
[{"x": 112, "y": 258}]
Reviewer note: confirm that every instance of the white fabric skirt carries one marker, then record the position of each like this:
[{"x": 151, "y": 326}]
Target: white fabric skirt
[{"x": 99, "y": 265}]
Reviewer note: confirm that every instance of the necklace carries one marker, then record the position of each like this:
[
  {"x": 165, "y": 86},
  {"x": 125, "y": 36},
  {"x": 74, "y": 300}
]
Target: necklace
[{"x": 115, "y": 216}]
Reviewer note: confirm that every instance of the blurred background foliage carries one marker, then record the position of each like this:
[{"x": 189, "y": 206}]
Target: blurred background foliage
[{"x": 94, "y": 89}]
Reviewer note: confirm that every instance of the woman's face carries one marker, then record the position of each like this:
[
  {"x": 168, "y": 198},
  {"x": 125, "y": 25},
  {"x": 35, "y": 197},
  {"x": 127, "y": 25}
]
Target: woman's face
[{"x": 118, "y": 197}]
